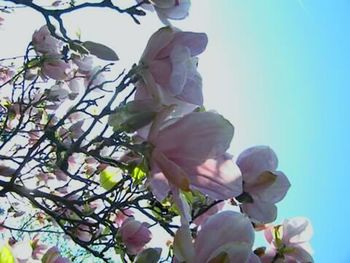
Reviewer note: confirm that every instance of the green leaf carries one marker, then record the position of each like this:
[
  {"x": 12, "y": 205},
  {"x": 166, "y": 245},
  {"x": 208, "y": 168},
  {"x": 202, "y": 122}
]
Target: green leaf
[
  {"x": 139, "y": 173},
  {"x": 101, "y": 51},
  {"x": 109, "y": 177},
  {"x": 6, "y": 255}
]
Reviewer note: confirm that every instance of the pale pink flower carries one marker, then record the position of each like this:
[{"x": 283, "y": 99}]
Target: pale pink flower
[
  {"x": 57, "y": 93},
  {"x": 227, "y": 236},
  {"x": 85, "y": 64},
  {"x": 263, "y": 186},
  {"x": 170, "y": 67},
  {"x": 53, "y": 256},
  {"x": 135, "y": 235},
  {"x": 191, "y": 153},
  {"x": 6, "y": 74},
  {"x": 38, "y": 249},
  {"x": 84, "y": 233},
  {"x": 289, "y": 241},
  {"x": 45, "y": 177},
  {"x": 200, "y": 220},
  {"x": 56, "y": 69},
  {"x": 121, "y": 216},
  {"x": 60, "y": 175},
  {"x": 76, "y": 131},
  {"x": 44, "y": 43},
  {"x": 169, "y": 9},
  {"x": 1, "y": 20}
]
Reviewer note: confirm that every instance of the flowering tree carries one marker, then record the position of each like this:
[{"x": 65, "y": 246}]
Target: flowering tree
[{"x": 102, "y": 159}]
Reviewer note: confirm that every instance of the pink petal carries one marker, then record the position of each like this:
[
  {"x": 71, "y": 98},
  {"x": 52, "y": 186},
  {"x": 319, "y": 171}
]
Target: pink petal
[
  {"x": 196, "y": 42},
  {"x": 260, "y": 212},
  {"x": 229, "y": 232},
  {"x": 197, "y": 137},
  {"x": 268, "y": 233},
  {"x": 161, "y": 71},
  {"x": 301, "y": 255},
  {"x": 211, "y": 211},
  {"x": 157, "y": 42},
  {"x": 171, "y": 170},
  {"x": 56, "y": 69},
  {"x": 179, "y": 57},
  {"x": 177, "y": 11},
  {"x": 183, "y": 246},
  {"x": 276, "y": 192},
  {"x": 297, "y": 230},
  {"x": 159, "y": 185},
  {"x": 220, "y": 179},
  {"x": 192, "y": 91},
  {"x": 256, "y": 160}
]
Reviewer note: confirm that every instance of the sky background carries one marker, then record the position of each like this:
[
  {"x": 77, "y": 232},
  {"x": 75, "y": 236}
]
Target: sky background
[{"x": 278, "y": 70}]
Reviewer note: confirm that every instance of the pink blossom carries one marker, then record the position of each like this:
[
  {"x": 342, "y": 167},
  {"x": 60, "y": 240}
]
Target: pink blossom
[
  {"x": 53, "y": 256},
  {"x": 45, "y": 177},
  {"x": 121, "y": 216},
  {"x": 1, "y": 20},
  {"x": 289, "y": 241},
  {"x": 84, "y": 233},
  {"x": 263, "y": 186},
  {"x": 190, "y": 153},
  {"x": 38, "y": 249},
  {"x": 170, "y": 67},
  {"x": 169, "y": 9},
  {"x": 211, "y": 211},
  {"x": 227, "y": 236},
  {"x": 135, "y": 235},
  {"x": 60, "y": 175},
  {"x": 56, "y": 69},
  {"x": 44, "y": 43},
  {"x": 85, "y": 64},
  {"x": 6, "y": 74},
  {"x": 76, "y": 130}
]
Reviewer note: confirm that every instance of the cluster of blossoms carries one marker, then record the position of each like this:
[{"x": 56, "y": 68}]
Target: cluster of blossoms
[{"x": 182, "y": 153}]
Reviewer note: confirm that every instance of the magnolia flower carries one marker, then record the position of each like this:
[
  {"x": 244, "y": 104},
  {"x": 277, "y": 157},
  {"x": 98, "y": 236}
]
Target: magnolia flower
[
  {"x": 168, "y": 9},
  {"x": 191, "y": 153},
  {"x": 38, "y": 249},
  {"x": 226, "y": 237},
  {"x": 169, "y": 70},
  {"x": 44, "y": 43},
  {"x": 53, "y": 256},
  {"x": 263, "y": 186},
  {"x": 56, "y": 69},
  {"x": 6, "y": 74},
  {"x": 200, "y": 220},
  {"x": 85, "y": 64},
  {"x": 121, "y": 216},
  {"x": 84, "y": 233},
  {"x": 60, "y": 175},
  {"x": 289, "y": 242},
  {"x": 135, "y": 235}
]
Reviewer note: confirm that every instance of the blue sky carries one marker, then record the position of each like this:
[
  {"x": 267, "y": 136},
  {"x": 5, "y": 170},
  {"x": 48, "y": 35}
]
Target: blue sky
[{"x": 287, "y": 69}]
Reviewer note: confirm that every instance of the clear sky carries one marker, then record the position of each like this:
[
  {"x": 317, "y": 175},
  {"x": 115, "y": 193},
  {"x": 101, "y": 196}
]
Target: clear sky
[{"x": 280, "y": 71}]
